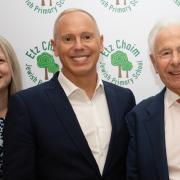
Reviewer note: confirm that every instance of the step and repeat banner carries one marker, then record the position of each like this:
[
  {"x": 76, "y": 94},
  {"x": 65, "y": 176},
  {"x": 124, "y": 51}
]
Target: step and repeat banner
[{"x": 125, "y": 24}]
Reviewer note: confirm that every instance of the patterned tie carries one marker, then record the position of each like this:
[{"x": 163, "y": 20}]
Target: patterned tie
[{"x": 178, "y": 101}]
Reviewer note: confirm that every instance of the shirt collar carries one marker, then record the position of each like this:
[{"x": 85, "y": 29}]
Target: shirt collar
[
  {"x": 69, "y": 87},
  {"x": 170, "y": 97}
]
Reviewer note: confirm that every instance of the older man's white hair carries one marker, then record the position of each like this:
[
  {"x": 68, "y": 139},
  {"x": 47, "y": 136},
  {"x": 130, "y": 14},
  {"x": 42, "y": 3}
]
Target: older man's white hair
[{"x": 164, "y": 23}]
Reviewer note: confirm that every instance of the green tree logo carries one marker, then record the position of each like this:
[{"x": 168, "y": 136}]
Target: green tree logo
[
  {"x": 43, "y": 3},
  {"x": 120, "y": 59},
  {"x": 46, "y": 61},
  {"x": 118, "y": 2}
]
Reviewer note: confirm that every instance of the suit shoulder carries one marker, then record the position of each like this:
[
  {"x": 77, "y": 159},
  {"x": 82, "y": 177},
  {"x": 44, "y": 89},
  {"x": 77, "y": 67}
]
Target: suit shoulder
[
  {"x": 151, "y": 100},
  {"x": 142, "y": 108},
  {"x": 139, "y": 112},
  {"x": 120, "y": 95},
  {"x": 33, "y": 91},
  {"x": 145, "y": 102},
  {"x": 36, "y": 90},
  {"x": 117, "y": 88}
]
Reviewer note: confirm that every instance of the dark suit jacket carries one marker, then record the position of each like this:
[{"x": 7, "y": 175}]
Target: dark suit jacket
[
  {"x": 43, "y": 139},
  {"x": 147, "y": 152}
]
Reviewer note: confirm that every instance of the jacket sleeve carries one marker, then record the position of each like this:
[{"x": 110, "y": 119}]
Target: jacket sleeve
[
  {"x": 132, "y": 169},
  {"x": 19, "y": 143}
]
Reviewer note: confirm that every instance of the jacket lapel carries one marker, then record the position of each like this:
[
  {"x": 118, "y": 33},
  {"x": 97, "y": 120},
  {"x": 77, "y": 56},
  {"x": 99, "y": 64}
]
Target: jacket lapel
[
  {"x": 111, "y": 101},
  {"x": 69, "y": 120},
  {"x": 156, "y": 131}
]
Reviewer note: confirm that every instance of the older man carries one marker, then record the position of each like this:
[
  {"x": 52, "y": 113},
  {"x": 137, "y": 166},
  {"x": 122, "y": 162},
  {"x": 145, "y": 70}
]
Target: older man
[
  {"x": 154, "y": 124},
  {"x": 72, "y": 127}
]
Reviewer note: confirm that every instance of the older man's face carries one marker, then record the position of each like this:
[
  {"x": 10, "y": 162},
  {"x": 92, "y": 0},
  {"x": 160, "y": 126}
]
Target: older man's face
[{"x": 166, "y": 57}]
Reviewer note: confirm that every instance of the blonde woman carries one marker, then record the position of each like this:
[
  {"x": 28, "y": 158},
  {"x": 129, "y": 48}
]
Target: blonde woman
[{"x": 10, "y": 83}]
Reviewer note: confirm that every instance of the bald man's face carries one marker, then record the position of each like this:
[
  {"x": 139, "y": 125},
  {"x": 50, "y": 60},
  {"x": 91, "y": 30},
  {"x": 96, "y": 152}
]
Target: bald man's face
[{"x": 78, "y": 44}]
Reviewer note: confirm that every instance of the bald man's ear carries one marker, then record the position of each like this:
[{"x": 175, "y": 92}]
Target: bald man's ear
[
  {"x": 55, "y": 49},
  {"x": 153, "y": 60}
]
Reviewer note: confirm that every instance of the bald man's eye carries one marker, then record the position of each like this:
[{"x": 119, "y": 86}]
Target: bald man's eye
[
  {"x": 87, "y": 37},
  {"x": 68, "y": 39}
]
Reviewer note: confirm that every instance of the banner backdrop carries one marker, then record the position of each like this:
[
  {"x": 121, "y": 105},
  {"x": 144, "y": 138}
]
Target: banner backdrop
[{"x": 125, "y": 24}]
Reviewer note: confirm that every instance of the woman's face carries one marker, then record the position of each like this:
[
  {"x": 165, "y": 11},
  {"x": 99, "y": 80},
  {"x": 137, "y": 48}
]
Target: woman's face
[{"x": 5, "y": 72}]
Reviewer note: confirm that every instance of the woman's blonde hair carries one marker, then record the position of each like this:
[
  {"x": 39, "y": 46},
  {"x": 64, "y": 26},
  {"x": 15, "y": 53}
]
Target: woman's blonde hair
[{"x": 14, "y": 66}]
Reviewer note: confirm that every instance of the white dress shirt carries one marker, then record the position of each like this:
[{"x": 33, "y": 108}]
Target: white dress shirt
[
  {"x": 93, "y": 117},
  {"x": 172, "y": 134}
]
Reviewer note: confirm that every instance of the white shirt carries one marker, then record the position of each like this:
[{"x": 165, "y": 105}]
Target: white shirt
[
  {"x": 172, "y": 134},
  {"x": 93, "y": 117}
]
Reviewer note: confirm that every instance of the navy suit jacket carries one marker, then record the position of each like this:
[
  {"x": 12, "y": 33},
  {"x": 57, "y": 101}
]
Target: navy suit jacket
[
  {"x": 43, "y": 139},
  {"x": 147, "y": 151}
]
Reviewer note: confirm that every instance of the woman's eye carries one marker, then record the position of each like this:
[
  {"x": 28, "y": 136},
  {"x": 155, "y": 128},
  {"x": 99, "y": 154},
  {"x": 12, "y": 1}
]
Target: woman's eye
[{"x": 2, "y": 60}]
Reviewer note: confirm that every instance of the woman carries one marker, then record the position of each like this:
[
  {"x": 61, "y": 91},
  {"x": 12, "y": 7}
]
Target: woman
[{"x": 10, "y": 83}]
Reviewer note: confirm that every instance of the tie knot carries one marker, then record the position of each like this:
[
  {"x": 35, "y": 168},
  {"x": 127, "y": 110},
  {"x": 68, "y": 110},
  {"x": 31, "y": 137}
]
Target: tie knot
[{"x": 178, "y": 101}]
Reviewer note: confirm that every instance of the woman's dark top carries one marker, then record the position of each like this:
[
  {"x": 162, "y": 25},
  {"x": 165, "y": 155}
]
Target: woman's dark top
[{"x": 1, "y": 146}]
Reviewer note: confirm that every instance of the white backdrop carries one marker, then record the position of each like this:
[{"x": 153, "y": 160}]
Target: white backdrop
[{"x": 125, "y": 24}]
